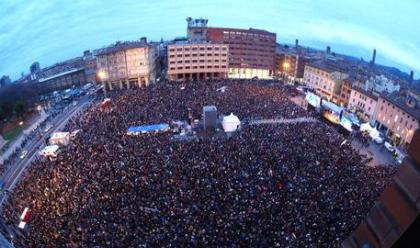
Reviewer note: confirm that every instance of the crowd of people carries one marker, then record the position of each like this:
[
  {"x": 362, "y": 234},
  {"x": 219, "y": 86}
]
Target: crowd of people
[
  {"x": 288, "y": 185},
  {"x": 28, "y": 138}
]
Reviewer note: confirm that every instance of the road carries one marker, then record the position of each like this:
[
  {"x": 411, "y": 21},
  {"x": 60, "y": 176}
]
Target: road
[{"x": 12, "y": 175}]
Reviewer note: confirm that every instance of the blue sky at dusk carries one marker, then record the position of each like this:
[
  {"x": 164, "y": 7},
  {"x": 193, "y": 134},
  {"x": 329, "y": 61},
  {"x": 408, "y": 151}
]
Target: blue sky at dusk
[{"x": 52, "y": 31}]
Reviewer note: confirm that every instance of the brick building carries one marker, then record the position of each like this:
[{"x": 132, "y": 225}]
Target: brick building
[
  {"x": 291, "y": 66},
  {"x": 127, "y": 64},
  {"x": 328, "y": 81},
  {"x": 394, "y": 220},
  {"x": 251, "y": 51},
  {"x": 197, "y": 61},
  {"x": 398, "y": 116},
  {"x": 363, "y": 102}
]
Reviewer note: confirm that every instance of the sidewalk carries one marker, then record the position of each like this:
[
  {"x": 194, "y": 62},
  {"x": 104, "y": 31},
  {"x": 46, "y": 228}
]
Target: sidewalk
[
  {"x": 381, "y": 157},
  {"x": 18, "y": 141}
]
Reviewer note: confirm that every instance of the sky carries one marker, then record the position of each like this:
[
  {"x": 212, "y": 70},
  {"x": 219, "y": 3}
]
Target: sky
[{"x": 55, "y": 30}]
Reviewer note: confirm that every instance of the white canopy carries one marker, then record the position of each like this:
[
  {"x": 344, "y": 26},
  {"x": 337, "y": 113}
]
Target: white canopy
[
  {"x": 231, "y": 123},
  {"x": 373, "y": 132},
  {"x": 49, "y": 151},
  {"x": 60, "y": 138}
]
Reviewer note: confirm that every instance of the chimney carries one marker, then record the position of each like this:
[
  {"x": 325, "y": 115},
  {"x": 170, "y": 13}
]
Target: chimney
[
  {"x": 143, "y": 39},
  {"x": 372, "y": 62},
  {"x": 328, "y": 51},
  {"x": 296, "y": 43}
]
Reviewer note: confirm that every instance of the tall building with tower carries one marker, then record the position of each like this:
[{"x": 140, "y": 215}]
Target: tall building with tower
[
  {"x": 5, "y": 80},
  {"x": 251, "y": 51},
  {"x": 197, "y": 29},
  {"x": 34, "y": 69},
  {"x": 372, "y": 62},
  {"x": 411, "y": 76},
  {"x": 328, "y": 50}
]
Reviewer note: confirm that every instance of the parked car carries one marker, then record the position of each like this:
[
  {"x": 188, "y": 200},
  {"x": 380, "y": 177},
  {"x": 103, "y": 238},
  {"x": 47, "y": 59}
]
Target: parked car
[
  {"x": 23, "y": 154},
  {"x": 389, "y": 147},
  {"x": 48, "y": 127}
]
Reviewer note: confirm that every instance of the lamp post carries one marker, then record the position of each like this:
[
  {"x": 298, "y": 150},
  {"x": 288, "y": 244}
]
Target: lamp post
[
  {"x": 286, "y": 66},
  {"x": 102, "y": 75},
  {"x": 182, "y": 96}
]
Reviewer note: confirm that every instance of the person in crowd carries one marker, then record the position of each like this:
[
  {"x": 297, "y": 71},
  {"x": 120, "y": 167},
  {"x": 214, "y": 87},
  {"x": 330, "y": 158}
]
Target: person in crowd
[{"x": 276, "y": 185}]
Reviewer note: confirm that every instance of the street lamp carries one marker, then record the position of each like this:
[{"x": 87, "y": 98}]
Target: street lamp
[
  {"x": 102, "y": 75},
  {"x": 286, "y": 66}
]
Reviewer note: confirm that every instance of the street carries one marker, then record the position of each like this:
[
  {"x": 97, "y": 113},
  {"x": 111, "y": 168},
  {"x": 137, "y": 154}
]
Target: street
[{"x": 12, "y": 175}]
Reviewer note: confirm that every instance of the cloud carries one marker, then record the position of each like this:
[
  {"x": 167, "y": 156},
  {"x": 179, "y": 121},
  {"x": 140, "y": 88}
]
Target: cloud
[
  {"x": 58, "y": 30},
  {"x": 400, "y": 52}
]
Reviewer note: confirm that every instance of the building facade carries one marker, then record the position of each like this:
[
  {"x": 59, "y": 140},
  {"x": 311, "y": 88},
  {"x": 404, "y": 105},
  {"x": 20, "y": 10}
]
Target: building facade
[
  {"x": 382, "y": 84},
  {"x": 251, "y": 51},
  {"x": 61, "y": 81},
  {"x": 197, "y": 61},
  {"x": 363, "y": 103},
  {"x": 398, "y": 116},
  {"x": 328, "y": 82},
  {"x": 127, "y": 64},
  {"x": 291, "y": 66}
]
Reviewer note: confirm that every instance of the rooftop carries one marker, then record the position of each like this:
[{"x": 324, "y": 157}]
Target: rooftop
[
  {"x": 326, "y": 65},
  {"x": 60, "y": 74},
  {"x": 367, "y": 93},
  {"x": 251, "y": 30},
  {"x": 120, "y": 46},
  {"x": 399, "y": 100}
]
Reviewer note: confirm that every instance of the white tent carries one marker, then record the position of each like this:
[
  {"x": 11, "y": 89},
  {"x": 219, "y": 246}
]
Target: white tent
[
  {"x": 231, "y": 123},
  {"x": 60, "y": 138},
  {"x": 373, "y": 132},
  {"x": 49, "y": 151}
]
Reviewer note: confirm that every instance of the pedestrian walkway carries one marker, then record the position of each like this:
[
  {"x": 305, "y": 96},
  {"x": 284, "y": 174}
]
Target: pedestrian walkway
[
  {"x": 283, "y": 121},
  {"x": 380, "y": 156},
  {"x": 15, "y": 144}
]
